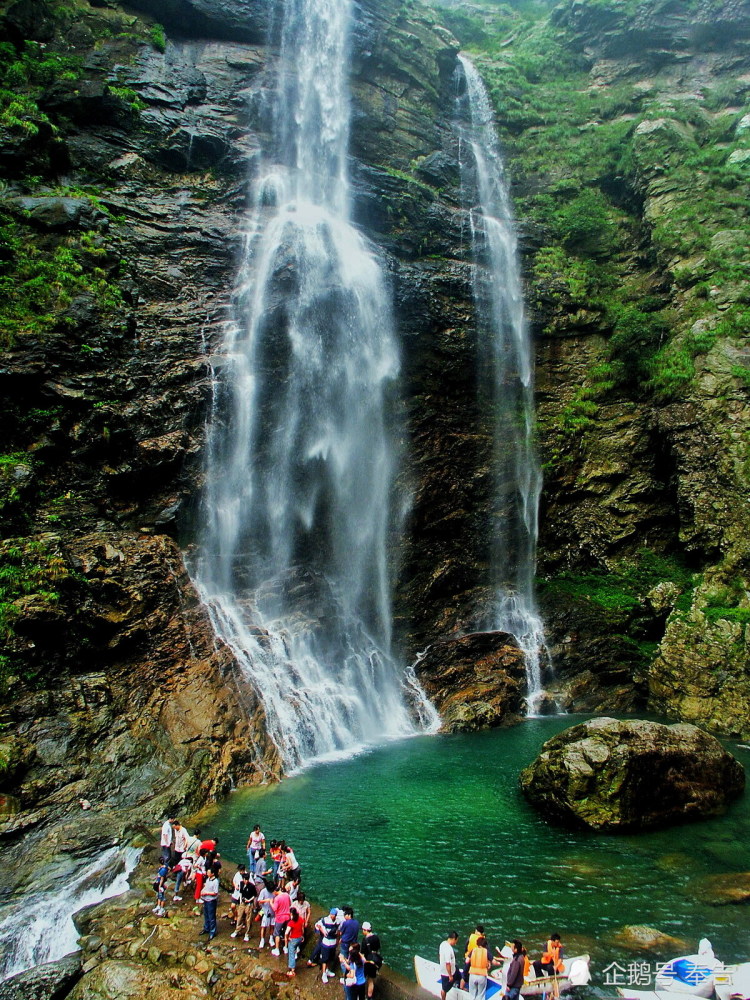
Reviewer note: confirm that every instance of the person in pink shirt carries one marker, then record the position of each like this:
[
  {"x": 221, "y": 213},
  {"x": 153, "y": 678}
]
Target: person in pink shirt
[{"x": 281, "y": 904}]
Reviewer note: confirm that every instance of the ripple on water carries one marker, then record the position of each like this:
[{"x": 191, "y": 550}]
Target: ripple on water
[{"x": 432, "y": 833}]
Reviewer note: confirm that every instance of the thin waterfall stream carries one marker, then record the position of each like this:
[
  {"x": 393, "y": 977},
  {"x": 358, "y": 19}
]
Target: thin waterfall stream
[
  {"x": 505, "y": 354},
  {"x": 293, "y": 564}
]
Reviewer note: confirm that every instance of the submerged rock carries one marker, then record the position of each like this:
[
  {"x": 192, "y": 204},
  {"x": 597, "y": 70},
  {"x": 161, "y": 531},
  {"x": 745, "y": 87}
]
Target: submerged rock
[
  {"x": 639, "y": 937},
  {"x": 723, "y": 890},
  {"x": 616, "y": 776}
]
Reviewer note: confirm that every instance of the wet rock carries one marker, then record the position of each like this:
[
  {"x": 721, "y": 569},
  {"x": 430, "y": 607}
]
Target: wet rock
[
  {"x": 57, "y": 213},
  {"x": 722, "y": 890},
  {"x": 475, "y": 681},
  {"x": 51, "y": 981},
  {"x": 616, "y": 776},
  {"x": 639, "y": 937}
]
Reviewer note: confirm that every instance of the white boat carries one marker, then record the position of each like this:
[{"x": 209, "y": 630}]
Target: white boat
[
  {"x": 691, "y": 975},
  {"x": 629, "y": 994},
  {"x": 575, "y": 973},
  {"x": 733, "y": 981}
]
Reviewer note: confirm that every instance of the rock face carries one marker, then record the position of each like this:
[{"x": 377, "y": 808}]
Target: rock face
[
  {"x": 629, "y": 214},
  {"x": 618, "y": 776},
  {"x": 475, "y": 681},
  {"x": 51, "y": 981},
  {"x": 143, "y": 148}
]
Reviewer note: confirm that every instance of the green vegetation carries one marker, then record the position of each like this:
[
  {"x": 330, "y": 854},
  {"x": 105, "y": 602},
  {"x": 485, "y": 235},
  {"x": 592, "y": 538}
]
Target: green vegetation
[
  {"x": 623, "y": 588},
  {"x": 583, "y": 156},
  {"x": 158, "y": 38},
  {"x": 728, "y": 602},
  {"x": 29, "y": 569},
  {"x": 38, "y": 282}
]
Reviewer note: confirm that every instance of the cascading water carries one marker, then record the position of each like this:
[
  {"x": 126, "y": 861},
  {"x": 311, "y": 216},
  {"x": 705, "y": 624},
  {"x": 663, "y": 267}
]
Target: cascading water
[
  {"x": 39, "y": 927},
  {"x": 503, "y": 334},
  {"x": 293, "y": 562}
]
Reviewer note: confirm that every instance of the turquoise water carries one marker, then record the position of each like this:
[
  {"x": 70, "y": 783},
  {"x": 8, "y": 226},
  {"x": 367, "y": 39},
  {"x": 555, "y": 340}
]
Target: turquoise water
[{"x": 432, "y": 833}]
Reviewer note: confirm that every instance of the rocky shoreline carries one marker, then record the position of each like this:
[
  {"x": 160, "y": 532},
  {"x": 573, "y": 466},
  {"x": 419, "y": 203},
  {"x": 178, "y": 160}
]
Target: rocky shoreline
[{"x": 128, "y": 952}]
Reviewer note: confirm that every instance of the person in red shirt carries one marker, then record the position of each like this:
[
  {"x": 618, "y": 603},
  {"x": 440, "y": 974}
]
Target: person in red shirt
[
  {"x": 281, "y": 905},
  {"x": 295, "y": 935}
]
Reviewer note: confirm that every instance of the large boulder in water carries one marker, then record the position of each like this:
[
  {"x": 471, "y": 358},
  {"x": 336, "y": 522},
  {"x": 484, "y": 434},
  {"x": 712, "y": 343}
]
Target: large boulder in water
[{"x": 620, "y": 776}]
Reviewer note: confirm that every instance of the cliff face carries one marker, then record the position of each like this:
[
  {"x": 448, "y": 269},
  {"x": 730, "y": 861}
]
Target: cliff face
[
  {"x": 127, "y": 158},
  {"x": 627, "y": 130},
  {"x": 119, "y": 260}
]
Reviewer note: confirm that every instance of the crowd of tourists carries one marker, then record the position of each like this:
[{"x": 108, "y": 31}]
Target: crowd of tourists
[
  {"x": 478, "y": 962},
  {"x": 266, "y": 898}
]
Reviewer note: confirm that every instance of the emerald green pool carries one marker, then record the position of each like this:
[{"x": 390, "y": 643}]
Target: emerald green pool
[{"x": 432, "y": 833}]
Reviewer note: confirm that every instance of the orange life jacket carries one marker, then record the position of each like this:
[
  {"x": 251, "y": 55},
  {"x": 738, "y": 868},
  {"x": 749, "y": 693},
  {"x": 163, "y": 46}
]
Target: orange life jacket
[
  {"x": 479, "y": 962},
  {"x": 552, "y": 954}
]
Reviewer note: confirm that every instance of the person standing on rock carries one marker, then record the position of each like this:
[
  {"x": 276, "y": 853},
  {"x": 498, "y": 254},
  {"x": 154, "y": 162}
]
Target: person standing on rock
[
  {"x": 265, "y": 901},
  {"x": 256, "y": 842},
  {"x": 373, "y": 958},
  {"x": 290, "y": 869},
  {"x": 259, "y": 870},
  {"x": 182, "y": 870},
  {"x": 294, "y": 937},
  {"x": 194, "y": 845},
  {"x": 349, "y": 933},
  {"x": 210, "y": 900},
  {"x": 166, "y": 839},
  {"x": 161, "y": 888},
  {"x": 450, "y": 974},
  {"x": 199, "y": 874},
  {"x": 303, "y": 907},
  {"x": 281, "y": 905},
  {"x": 355, "y": 984},
  {"x": 181, "y": 839},
  {"x": 328, "y": 928},
  {"x": 246, "y": 899}
]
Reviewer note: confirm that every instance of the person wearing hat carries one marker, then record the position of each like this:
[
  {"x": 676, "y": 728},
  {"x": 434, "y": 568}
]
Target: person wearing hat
[
  {"x": 328, "y": 928},
  {"x": 373, "y": 958},
  {"x": 245, "y": 901}
]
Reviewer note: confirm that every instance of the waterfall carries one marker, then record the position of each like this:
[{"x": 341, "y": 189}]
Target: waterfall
[
  {"x": 505, "y": 354},
  {"x": 39, "y": 928},
  {"x": 293, "y": 560}
]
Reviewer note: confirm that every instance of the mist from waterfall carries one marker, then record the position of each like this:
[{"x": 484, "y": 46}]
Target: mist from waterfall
[
  {"x": 293, "y": 562},
  {"x": 505, "y": 355}
]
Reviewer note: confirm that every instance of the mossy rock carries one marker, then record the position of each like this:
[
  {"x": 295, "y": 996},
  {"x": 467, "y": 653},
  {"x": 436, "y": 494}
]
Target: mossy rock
[{"x": 616, "y": 776}]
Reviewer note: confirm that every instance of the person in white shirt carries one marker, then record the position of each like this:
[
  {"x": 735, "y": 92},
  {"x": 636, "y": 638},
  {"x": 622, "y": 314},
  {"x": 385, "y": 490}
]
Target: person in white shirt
[
  {"x": 449, "y": 973},
  {"x": 166, "y": 839},
  {"x": 210, "y": 900},
  {"x": 181, "y": 840}
]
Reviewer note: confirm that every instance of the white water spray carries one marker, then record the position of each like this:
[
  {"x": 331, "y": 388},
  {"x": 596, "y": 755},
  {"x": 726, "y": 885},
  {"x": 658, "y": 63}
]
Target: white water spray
[
  {"x": 503, "y": 333},
  {"x": 39, "y": 927},
  {"x": 293, "y": 562}
]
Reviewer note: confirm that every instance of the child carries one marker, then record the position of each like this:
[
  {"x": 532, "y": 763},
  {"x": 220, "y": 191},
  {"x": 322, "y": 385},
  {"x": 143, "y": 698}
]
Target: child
[{"x": 160, "y": 886}]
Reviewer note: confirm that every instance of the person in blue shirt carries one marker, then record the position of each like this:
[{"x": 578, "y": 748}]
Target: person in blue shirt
[{"x": 348, "y": 934}]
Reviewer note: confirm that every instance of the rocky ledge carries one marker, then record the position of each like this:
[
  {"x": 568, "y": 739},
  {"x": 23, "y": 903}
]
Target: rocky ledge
[
  {"x": 616, "y": 776},
  {"x": 128, "y": 952}
]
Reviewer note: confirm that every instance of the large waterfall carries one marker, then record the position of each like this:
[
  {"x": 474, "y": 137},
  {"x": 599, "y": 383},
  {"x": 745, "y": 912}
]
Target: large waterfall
[
  {"x": 293, "y": 562},
  {"x": 505, "y": 358}
]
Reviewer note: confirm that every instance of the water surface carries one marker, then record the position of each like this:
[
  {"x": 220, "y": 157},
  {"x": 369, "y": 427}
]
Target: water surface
[{"x": 432, "y": 833}]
